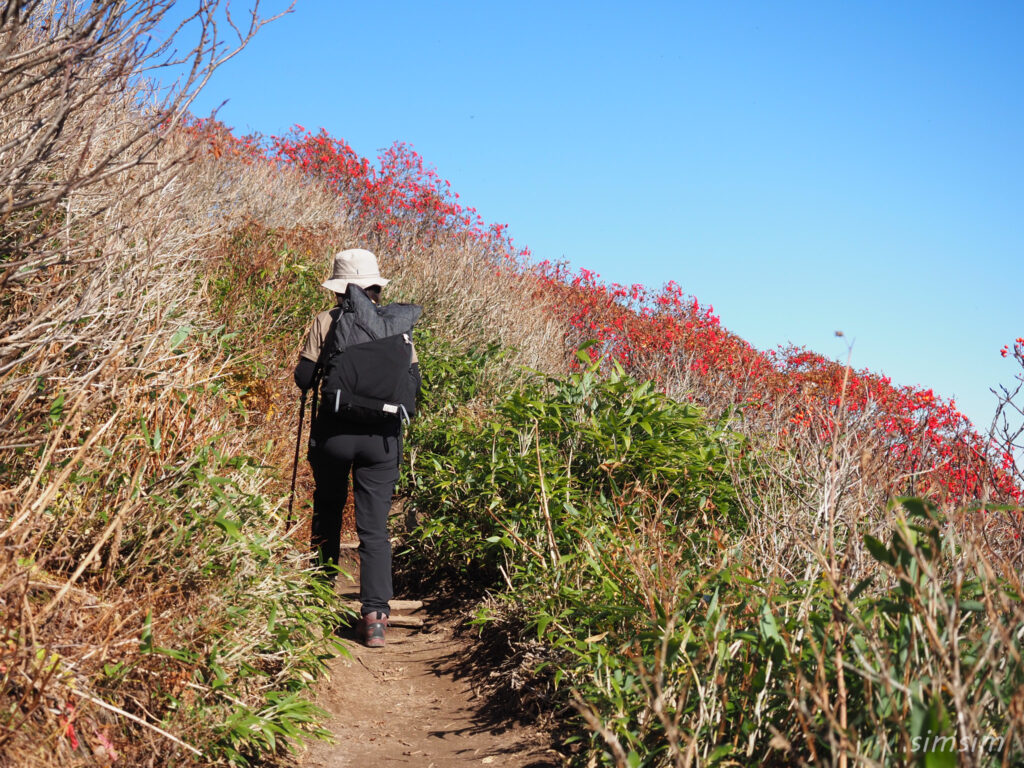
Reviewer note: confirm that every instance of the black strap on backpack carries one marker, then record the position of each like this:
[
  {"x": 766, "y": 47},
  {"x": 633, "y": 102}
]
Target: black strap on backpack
[{"x": 318, "y": 369}]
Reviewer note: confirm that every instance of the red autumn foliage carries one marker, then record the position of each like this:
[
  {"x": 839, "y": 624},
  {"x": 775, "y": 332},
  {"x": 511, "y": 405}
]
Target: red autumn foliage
[{"x": 926, "y": 445}]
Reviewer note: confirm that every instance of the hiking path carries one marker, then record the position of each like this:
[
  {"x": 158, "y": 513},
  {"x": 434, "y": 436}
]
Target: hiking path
[{"x": 414, "y": 702}]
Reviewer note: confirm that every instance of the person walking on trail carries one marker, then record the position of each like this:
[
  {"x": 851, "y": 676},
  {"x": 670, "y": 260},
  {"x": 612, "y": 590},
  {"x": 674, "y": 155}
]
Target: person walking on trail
[{"x": 360, "y": 357}]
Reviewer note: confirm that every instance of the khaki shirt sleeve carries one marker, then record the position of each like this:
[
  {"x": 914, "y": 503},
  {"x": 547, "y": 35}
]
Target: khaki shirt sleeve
[
  {"x": 415, "y": 357},
  {"x": 317, "y": 335}
]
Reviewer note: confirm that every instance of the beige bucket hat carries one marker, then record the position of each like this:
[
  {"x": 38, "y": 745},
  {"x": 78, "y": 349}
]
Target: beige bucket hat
[{"x": 357, "y": 266}]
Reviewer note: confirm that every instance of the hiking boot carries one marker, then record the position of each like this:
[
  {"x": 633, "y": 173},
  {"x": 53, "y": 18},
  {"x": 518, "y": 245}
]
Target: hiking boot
[{"x": 371, "y": 629}]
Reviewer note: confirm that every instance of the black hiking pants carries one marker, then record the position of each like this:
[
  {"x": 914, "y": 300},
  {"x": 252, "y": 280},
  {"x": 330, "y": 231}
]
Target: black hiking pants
[{"x": 372, "y": 460}]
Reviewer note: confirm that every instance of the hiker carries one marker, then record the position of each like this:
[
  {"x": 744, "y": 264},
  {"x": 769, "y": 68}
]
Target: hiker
[{"x": 356, "y": 342}]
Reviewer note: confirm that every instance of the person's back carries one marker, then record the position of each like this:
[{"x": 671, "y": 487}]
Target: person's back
[
  {"x": 355, "y": 432},
  {"x": 366, "y": 360}
]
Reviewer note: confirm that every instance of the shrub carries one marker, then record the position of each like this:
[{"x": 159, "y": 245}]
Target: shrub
[{"x": 613, "y": 526}]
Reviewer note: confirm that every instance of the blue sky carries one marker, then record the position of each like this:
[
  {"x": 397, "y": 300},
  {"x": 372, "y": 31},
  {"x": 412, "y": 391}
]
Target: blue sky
[{"x": 802, "y": 167}]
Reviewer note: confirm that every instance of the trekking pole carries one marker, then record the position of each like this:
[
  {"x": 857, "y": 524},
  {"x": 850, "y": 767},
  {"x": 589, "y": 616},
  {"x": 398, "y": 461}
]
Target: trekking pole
[{"x": 295, "y": 463}]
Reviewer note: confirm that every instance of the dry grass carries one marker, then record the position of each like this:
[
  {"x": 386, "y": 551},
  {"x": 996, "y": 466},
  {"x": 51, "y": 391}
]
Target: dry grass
[
  {"x": 118, "y": 429},
  {"x": 873, "y": 648},
  {"x": 472, "y": 296}
]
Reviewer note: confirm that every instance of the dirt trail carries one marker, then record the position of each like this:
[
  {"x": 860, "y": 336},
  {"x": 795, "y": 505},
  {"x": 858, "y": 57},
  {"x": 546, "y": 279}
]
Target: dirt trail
[{"x": 409, "y": 704}]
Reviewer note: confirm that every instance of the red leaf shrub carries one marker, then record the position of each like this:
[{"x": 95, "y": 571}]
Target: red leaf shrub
[{"x": 926, "y": 446}]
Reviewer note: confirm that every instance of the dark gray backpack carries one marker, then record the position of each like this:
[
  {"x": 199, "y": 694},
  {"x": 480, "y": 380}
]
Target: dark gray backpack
[{"x": 365, "y": 364}]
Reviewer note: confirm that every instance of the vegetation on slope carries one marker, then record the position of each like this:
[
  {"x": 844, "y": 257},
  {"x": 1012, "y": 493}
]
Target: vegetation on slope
[
  {"x": 614, "y": 527},
  {"x": 704, "y": 549},
  {"x": 149, "y": 603}
]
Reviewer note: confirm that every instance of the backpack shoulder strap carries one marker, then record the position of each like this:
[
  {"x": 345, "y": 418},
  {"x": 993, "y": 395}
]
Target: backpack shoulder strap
[{"x": 336, "y": 313}]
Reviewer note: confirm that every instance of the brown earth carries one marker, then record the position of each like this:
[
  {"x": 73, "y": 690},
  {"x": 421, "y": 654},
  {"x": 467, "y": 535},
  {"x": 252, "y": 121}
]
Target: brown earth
[{"x": 414, "y": 703}]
